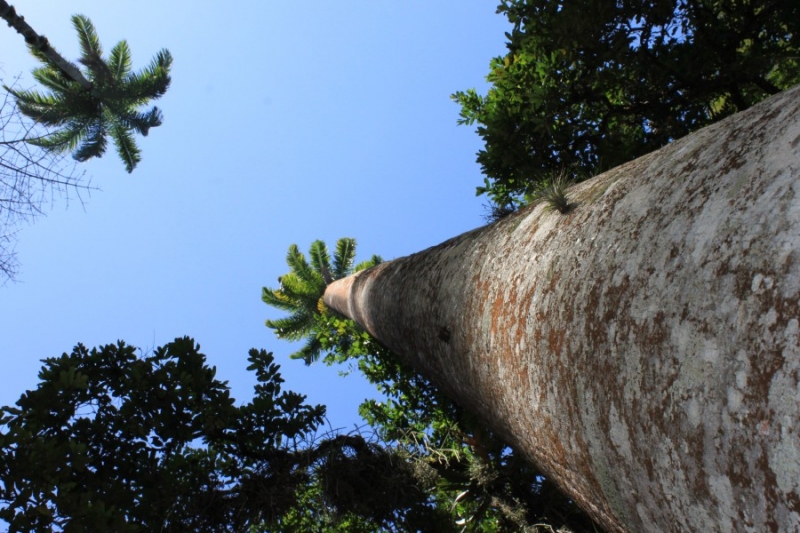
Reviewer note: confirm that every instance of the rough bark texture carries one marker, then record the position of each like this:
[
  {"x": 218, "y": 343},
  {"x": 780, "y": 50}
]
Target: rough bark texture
[
  {"x": 40, "y": 42},
  {"x": 642, "y": 349}
]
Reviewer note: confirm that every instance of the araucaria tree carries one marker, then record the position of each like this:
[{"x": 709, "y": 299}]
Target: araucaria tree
[
  {"x": 88, "y": 106},
  {"x": 82, "y": 109},
  {"x": 448, "y": 470},
  {"x": 642, "y": 349},
  {"x": 300, "y": 292}
]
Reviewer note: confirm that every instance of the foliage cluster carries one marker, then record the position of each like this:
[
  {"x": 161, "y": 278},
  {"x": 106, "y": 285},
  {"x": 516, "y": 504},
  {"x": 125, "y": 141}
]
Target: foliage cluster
[
  {"x": 114, "y": 442},
  {"x": 85, "y": 118},
  {"x": 301, "y": 289},
  {"x": 591, "y": 84}
]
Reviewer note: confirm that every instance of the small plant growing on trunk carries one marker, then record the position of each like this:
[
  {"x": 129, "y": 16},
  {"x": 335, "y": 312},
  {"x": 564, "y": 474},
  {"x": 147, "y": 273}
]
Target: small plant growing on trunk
[{"x": 554, "y": 193}]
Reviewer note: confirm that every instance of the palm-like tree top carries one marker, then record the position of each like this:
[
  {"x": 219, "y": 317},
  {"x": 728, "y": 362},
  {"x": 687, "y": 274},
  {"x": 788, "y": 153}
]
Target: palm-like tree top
[
  {"x": 302, "y": 288},
  {"x": 85, "y": 118}
]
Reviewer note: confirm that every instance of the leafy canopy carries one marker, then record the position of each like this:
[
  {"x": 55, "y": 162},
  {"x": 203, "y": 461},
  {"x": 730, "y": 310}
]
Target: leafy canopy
[
  {"x": 587, "y": 85},
  {"x": 84, "y": 119},
  {"x": 114, "y": 442}
]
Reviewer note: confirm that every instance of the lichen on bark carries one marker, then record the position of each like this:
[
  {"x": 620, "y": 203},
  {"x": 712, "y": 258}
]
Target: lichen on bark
[{"x": 643, "y": 348}]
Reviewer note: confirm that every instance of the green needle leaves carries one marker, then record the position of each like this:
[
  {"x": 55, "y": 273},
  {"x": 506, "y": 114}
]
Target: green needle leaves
[{"x": 85, "y": 118}]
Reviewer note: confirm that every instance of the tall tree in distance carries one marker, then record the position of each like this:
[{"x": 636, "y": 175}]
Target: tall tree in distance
[
  {"x": 587, "y": 85},
  {"x": 82, "y": 109},
  {"x": 88, "y": 107}
]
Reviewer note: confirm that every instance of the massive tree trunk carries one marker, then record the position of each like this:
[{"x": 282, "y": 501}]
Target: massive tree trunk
[{"x": 642, "y": 349}]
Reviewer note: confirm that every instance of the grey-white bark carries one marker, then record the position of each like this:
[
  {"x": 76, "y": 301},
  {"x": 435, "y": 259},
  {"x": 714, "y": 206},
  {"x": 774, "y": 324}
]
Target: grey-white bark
[{"x": 644, "y": 349}]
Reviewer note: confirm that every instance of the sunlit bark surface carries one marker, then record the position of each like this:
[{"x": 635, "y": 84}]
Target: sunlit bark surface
[{"x": 642, "y": 349}]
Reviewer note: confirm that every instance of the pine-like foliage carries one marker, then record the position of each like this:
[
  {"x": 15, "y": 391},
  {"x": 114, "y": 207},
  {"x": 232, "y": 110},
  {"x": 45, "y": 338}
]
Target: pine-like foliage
[
  {"x": 86, "y": 118},
  {"x": 300, "y": 292}
]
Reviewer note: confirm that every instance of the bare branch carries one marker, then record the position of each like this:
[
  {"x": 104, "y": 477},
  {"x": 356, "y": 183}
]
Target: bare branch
[{"x": 31, "y": 179}]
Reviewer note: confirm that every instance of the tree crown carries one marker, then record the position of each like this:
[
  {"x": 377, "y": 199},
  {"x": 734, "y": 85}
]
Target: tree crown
[{"x": 85, "y": 118}]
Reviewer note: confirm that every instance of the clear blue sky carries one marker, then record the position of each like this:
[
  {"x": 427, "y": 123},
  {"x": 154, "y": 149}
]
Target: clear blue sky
[{"x": 286, "y": 122}]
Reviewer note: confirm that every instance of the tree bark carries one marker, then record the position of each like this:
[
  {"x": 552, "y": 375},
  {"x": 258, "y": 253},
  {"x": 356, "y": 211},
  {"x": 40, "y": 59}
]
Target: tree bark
[
  {"x": 643, "y": 350},
  {"x": 40, "y": 42}
]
